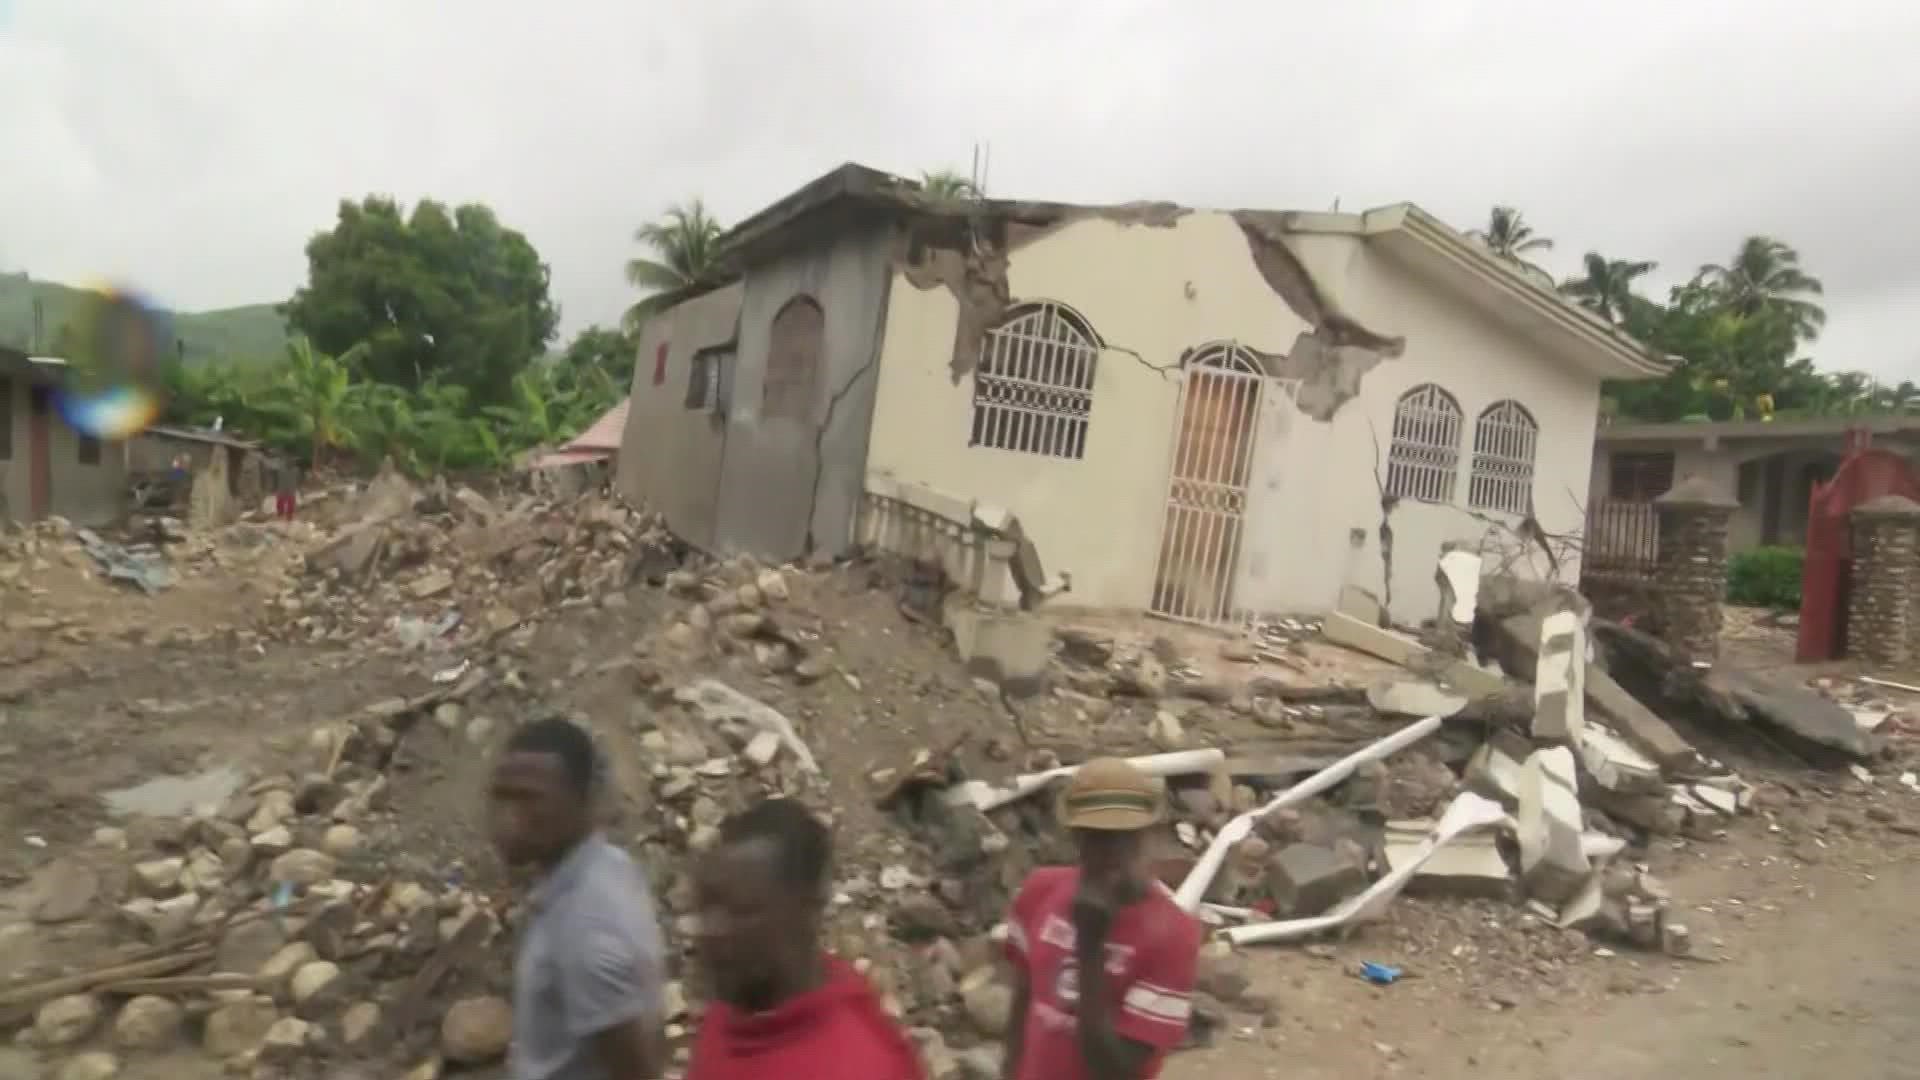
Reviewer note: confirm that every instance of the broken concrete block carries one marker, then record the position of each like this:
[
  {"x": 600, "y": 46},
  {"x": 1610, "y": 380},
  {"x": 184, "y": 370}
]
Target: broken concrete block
[
  {"x": 1553, "y": 862},
  {"x": 1559, "y": 681},
  {"x": 1307, "y": 879},
  {"x": 1799, "y": 713},
  {"x": 1011, "y": 649},
  {"x": 1360, "y": 604},
  {"x": 1391, "y": 646},
  {"x": 1616, "y": 766},
  {"x": 1494, "y": 770},
  {"x": 1675, "y": 938},
  {"x": 1470, "y": 864},
  {"x": 1413, "y": 697},
  {"x": 1472, "y": 680},
  {"x": 1637, "y": 723},
  {"x": 1658, "y": 813}
]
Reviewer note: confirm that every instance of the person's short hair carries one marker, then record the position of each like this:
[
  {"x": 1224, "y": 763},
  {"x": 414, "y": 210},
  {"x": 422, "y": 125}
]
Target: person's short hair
[
  {"x": 802, "y": 844},
  {"x": 565, "y": 740}
]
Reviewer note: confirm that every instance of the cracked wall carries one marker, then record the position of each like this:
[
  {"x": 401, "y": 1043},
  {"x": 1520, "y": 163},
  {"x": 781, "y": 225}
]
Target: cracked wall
[
  {"x": 791, "y": 485},
  {"x": 970, "y": 259},
  {"x": 1332, "y": 357}
]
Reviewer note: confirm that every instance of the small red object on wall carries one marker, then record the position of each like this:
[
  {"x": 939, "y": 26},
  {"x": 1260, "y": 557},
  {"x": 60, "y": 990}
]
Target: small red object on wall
[{"x": 660, "y": 365}]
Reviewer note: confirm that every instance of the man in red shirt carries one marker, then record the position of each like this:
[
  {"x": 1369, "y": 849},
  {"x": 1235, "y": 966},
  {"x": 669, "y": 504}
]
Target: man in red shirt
[
  {"x": 782, "y": 1006},
  {"x": 1103, "y": 957}
]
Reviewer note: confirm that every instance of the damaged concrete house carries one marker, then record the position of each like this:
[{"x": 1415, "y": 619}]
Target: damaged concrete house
[
  {"x": 46, "y": 466},
  {"x": 1208, "y": 415}
]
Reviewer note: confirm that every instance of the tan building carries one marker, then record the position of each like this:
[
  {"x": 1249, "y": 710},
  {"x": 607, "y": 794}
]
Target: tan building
[
  {"x": 46, "y": 467},
  {"x": 1767, "y": 467},
  {"x": 1206, "y": 414}
]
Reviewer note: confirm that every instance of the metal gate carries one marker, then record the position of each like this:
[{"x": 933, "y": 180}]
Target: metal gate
[
  {"x": 1216, "y": 433},
  {"x": 1864, "y": 474}
]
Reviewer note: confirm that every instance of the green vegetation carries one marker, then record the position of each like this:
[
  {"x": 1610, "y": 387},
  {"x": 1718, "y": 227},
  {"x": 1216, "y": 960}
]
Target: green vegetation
[
  {"x": 435, "y": 296},
  {"x": 1766, "y": 577},
  {"x": 1738, "y": 330},
  {"x": 329, "y": 411}
]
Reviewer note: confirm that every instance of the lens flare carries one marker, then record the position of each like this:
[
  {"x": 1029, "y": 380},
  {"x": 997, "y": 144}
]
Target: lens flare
[{"x": 114, "y": 347}]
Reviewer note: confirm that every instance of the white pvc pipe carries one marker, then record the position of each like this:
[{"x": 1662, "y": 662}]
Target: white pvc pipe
[
  {"x": 1466, "y": 812},
  {"x": 1194, "y": 888}
]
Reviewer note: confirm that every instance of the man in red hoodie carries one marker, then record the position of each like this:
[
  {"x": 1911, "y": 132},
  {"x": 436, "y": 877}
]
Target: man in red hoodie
[
  {"x": 782, "y": 1006},
  {"x": 1103, "y": 958}
]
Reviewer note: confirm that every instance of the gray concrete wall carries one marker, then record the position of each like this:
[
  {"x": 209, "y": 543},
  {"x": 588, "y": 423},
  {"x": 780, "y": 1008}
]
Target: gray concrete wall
[
  {"x": 87, "y": 494},
  {"x": 782, "y": 478},
  {"x": 83, "y": 494},
  {"x": 13, "y": 463},
  {"x": 669, "y": 454}
]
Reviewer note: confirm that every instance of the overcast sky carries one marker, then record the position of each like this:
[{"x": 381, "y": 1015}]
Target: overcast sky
[{"x": 192, "y": 146}]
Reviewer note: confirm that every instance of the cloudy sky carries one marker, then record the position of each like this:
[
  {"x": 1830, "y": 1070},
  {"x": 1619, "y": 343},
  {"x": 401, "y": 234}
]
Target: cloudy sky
[{"x": 192, "y": 146}]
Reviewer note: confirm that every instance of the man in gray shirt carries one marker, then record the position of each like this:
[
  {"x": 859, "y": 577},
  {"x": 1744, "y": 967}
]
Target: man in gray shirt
[{"x": 587, "y": 982}]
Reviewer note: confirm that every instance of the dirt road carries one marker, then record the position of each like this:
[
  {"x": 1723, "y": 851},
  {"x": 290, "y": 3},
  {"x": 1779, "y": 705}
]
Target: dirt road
[{"x": 1827, "y": 986}]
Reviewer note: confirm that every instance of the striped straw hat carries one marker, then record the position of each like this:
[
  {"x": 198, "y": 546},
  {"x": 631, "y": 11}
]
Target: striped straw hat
[{"x": 1111, "y": 795}]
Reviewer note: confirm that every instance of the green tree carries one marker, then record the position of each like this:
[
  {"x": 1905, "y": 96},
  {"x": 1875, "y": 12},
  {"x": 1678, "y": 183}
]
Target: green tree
[
  {"x": 685, "y": 247},
  {"x": 433, "y": 295},
  {"x": 1607, "y": 287},
  {"x": 1509, "y": 236},
  {"x": 1765, "y": 275},
  {"x": 949, "y": 185},
  {"x": 602, "y": 349}
]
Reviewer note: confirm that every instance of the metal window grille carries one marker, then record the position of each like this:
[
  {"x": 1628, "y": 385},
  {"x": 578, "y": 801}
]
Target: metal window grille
[
  {"x": 1033, "y": 386},
  {"x": 709, "y": 379},
  {"x": 1504, "y": 440},
  {"x": 697, "y": 380},
  {"x": 1423, "y": 459}
]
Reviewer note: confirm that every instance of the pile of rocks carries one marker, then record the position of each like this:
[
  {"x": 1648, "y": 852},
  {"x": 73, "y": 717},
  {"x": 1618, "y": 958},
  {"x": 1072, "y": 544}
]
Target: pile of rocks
[
  {"x": 261, "y": 929},
  {"x": 414, "y": 568}
]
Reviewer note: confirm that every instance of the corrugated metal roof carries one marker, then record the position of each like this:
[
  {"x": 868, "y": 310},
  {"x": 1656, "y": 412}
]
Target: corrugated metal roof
[{"x": 604, "y": 433}]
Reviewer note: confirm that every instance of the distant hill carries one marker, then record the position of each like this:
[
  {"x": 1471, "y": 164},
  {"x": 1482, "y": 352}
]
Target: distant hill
[{"x": 254, "y": 332}]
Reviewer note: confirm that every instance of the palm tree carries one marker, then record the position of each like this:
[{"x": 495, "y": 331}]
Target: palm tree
[
  {"x": 686, "y": 250},
  {"x": 1765, "y": 276},
  {"x": 947, "y": 185},
  {"x": 1509, "y": 236},
  {"x": 1607, "y": 289}
]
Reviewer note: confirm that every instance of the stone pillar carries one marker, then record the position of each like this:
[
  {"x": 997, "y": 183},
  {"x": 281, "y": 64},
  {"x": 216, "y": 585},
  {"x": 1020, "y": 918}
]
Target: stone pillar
[
  {"x": 1690, "y": 577},
  {"x": 1883, "y": 605}
]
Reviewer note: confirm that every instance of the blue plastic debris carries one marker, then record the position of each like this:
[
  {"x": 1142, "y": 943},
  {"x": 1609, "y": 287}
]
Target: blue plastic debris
[{"x": 1379, "y": 974}]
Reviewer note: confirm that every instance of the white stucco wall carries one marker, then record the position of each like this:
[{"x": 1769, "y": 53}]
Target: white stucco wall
[{"x": 1159, "y": 291}]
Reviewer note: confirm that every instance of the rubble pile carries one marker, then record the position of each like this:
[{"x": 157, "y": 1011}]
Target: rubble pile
[
  {"x": 418, "y": 566},
  {"x": 1516, "y": 760},
  {"x": 261, "y": 930}
]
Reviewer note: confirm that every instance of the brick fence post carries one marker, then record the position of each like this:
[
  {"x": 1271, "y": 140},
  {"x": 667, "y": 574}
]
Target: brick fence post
[
  {"x": 1690, "y": 575},
  {"x": 1883, "y": 604}
]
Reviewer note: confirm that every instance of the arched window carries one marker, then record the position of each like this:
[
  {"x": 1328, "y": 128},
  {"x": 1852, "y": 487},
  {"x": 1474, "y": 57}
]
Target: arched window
[
  {"x": 794, "y": 344},
  {"x": 1033, "y": 387},
  {"x": 1504, "y": 440},
  {"x": 1424, "y": 457}
]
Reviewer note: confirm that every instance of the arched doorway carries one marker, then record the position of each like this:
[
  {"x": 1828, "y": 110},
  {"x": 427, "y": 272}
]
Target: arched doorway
[{"x": 1216, "y": 435}]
